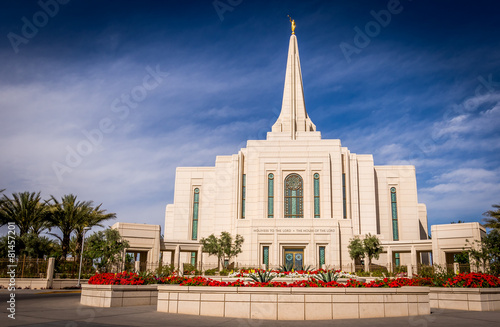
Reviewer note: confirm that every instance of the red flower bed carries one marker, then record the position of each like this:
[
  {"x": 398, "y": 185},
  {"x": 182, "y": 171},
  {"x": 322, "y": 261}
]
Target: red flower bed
[
  {"x": 473, "y": 280},
  {"x": 129, "y": 278},
  {"x": 123, "y": 278},
  {"x": 461, "y": 280}
]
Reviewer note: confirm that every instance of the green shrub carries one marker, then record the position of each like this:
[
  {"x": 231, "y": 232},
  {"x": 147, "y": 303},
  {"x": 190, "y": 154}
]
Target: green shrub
[
  {"x": 165, "y": 271},
  {"x": 224, "y": 272},
  {"x": 400, "y": 269},
  {"x": 441, "y": 275},
  {"x": 210, "y": 272},
  {"x": 380, "y": 272},
  {"x": 426, "y": 271},
  {"x": 190, "y": 269}
]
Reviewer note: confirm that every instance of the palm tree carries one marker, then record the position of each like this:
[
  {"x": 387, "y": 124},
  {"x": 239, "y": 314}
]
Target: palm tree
[
  {"x": 93, "y": 218},
  {"x": 65, "y": 216},
  {"x": 26, "y": 210},
  {"x": 2, "y": 220},
  {"x": 494, "y": 220}
]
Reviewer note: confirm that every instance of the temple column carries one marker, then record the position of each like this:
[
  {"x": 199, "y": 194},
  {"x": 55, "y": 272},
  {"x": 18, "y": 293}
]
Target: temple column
[{"x": 177, "y": 256}]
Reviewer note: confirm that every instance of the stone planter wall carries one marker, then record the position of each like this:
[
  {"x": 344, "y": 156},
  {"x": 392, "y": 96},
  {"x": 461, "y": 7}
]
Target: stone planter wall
[
  {"x": 118, "y": 295},
  {"x": 31, "y": 283},
  {"x": 293, "y": 303},
  {"x": 470, "y": 299},
  {"x": 42, "y": 283}
]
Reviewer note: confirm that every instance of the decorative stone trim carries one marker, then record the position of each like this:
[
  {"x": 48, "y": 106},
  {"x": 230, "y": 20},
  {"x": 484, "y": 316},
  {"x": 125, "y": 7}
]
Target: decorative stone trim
[
  {"x": 293, "y": 303},
  {"x": 119, "y": 295},
  {"x": 470, "y": 299}
]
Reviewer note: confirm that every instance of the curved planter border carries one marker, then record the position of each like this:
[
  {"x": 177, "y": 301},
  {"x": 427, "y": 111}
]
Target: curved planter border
[{"x": 294, "y": 303}]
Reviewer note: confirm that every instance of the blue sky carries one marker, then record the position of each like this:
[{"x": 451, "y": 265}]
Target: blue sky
[{"x": 421, "y": 87}]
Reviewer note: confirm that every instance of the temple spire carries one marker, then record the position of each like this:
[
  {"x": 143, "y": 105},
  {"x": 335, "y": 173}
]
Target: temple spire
[{"x": 293, "y": 117}]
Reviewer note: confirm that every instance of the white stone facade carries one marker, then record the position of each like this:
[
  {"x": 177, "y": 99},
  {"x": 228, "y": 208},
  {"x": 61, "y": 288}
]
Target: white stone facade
[
  {"x": 297, "y": 194},
  {"x": 354, "y": 194}
]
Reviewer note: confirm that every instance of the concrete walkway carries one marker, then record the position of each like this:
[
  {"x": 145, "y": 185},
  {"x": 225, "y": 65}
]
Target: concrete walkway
[{"x": 62, "y": 308}]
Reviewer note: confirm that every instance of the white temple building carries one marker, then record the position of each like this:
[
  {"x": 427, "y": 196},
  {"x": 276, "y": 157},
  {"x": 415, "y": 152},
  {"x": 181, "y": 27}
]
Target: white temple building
[{"x": 298, "y": 199}]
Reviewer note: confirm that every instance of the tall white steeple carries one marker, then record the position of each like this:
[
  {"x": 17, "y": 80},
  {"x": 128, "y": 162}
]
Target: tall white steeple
[{"x": 293, "y": 118}]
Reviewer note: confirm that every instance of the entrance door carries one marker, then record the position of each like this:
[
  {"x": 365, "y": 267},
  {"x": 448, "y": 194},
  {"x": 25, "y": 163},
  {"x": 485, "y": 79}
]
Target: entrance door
[{"x": 294, "y": 258}]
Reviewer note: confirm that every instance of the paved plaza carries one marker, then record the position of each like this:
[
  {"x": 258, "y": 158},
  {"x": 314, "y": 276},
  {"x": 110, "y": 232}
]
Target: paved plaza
[{"x": 62, "y": 308}]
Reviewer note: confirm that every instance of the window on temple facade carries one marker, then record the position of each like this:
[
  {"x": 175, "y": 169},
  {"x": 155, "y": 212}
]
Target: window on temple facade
[
  {"x": 243, "y": 195},
  {"x": 344, "y": 198},
  {"x": 321, "y": 256},
  {"x": 196, "y": 204},
  {"x": 193, "y": 258},
  {"x": 294, "y": 190},
  {"x": 265, "y": 255},
  {"x": 270, "y": 196},
  {"x": 394, "y": 209},
  {"x": 316, "y": 195}
]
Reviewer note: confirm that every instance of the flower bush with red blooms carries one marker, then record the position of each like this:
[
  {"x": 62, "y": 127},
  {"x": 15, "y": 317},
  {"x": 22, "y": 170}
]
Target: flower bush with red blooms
[
  {"x": 123, "y": 278},
  {"x": 473, "y": 280}
]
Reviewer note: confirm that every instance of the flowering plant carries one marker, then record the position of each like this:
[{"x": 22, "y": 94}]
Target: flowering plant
[
  {"x": 474, "y": 280},
  {"x": 289, "y": 274},
  {"x": 123, "y": 278}
]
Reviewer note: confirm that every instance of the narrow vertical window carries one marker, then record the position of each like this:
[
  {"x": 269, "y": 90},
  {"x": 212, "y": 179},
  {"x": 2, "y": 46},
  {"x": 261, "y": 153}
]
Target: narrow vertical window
[
  {"x": 243, "y": 195},
  {"x": 394, "y": 209},
  {"x": 316, "y": 195},
  {"x": 397, "y": 260},
  {"x": 193, "y": 258},
  {"x": 265, "y": 255},
  {"x": 294, "y": 196},
  {"x": 270, "y": 196},
  {"x": 344, "y": 201},
  {"x": 196, "y": 203},
  {"x": 321, "y": 256}
]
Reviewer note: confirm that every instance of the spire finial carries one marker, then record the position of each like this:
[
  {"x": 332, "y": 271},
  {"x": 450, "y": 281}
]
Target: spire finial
[{"x": 293, "y": 24}]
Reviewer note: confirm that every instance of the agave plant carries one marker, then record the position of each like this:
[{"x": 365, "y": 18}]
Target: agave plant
[
  {"x": 262, "y": 276},
  {"x": 329, "y": 276},
  {"x": 286, "y": 267}
]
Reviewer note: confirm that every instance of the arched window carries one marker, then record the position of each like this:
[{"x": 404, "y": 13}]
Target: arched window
[
  {"x": 316, "y": 195},
  {"x": 394, "y": 209},
  {"x": 196, "y": 203},
  {"x": 294, "y": 191},
  {"x": 270, "y": 196}
]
